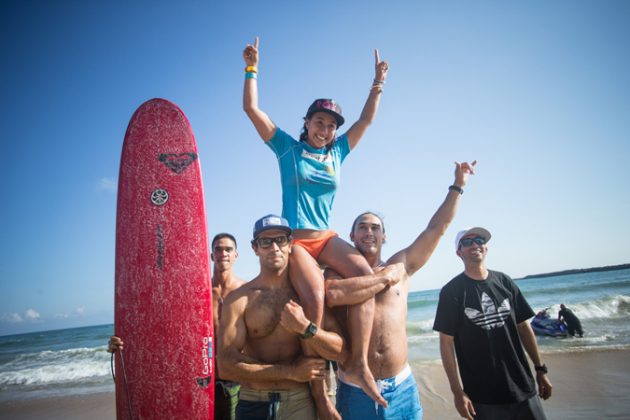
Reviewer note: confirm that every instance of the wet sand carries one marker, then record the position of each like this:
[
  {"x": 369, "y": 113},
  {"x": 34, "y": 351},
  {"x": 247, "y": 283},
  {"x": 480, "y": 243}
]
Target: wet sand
[
  {"x": 92, "y": 406},
  {"x": 586, "y": 385}
]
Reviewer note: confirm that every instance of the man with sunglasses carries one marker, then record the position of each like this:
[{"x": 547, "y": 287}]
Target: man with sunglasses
[
  {"x": 262, "y": 327},
  {"x": 483, "y": 321}
]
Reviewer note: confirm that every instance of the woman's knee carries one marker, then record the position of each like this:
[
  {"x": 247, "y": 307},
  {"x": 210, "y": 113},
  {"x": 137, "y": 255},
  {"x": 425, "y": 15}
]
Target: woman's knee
[
  {"x": 307, "y": 278},
  {"x": 345, "y": 259}
]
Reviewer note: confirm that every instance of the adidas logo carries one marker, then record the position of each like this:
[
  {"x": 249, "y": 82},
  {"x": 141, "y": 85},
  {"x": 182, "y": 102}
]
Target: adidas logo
[{"x": 490, "y": 317}]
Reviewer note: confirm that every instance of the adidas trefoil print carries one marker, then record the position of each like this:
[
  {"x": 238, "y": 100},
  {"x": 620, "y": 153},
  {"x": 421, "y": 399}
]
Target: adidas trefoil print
[{"x": 490, "y": 317}]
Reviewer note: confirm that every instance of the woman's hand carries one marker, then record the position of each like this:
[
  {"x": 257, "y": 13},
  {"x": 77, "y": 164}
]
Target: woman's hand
[
  {"x": 381, "y": 66},
  {"x": 250, "y": 54}
]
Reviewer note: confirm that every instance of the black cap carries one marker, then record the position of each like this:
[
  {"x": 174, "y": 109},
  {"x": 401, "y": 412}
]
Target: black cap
[
  {"x": 326, "y": 105},
  {"x": 271, "y": 221}
]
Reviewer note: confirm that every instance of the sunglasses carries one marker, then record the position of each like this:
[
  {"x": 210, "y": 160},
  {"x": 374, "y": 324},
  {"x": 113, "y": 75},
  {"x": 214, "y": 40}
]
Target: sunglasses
[
  {"x": 466, "y": 242},
  {"x": 267, "y": 242}
]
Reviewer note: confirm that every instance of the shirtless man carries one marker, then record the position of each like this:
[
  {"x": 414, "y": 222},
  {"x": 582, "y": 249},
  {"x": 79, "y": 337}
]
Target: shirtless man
[
  {"x": 261, "y": 329},
  {"x": 224, "y": 254},
  {"x": 387, "y": 355}
]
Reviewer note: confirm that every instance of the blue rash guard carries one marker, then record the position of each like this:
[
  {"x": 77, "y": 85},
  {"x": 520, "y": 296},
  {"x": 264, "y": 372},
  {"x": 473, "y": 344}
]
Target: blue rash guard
[{"x": 309, "y": 179}]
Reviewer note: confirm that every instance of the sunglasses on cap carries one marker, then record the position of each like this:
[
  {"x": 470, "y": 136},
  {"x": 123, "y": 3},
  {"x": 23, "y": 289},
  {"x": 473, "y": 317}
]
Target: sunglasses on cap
[
  {"x": 466, "y": 242},
  {"x": 267, "y": 242}
]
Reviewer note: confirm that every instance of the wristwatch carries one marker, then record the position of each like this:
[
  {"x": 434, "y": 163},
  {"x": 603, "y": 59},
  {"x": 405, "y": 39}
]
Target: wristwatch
[
  {"x": 542, "y": 368},
  {"x": 311, "y": 330}
]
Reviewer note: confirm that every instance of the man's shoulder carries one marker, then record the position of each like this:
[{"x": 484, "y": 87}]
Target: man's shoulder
[
  {"x": 237, "y": 282},
  {"x": 405, "y": 257},
  {"x": 456, "y": 281},
  {"x": 455, "y": 287},
  {"x": 500, "y": 274},
  {"x": 235, "y": 285},
  {"x": 243, "y": 292},
  {"x": 500, "y": 277}
]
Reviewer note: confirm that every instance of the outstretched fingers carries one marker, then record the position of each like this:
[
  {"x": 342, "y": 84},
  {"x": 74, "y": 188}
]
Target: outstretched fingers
[
  {"x": 469, "y": 167},
  {"x": 466, "y": 167},
  {"x": 463, "y": 171}
]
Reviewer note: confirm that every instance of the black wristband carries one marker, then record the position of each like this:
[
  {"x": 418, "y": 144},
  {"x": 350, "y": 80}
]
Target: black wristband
[
  {"x": 456, "y": 188},
  {"x": 542, "y": 368}
]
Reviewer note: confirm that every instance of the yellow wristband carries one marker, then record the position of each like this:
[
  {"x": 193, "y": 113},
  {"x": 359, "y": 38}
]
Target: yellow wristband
[{"x": 251, "y": 69}]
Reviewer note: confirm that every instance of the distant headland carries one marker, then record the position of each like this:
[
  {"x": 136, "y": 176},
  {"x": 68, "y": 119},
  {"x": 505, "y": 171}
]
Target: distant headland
[{"x": 578, "y": 271}]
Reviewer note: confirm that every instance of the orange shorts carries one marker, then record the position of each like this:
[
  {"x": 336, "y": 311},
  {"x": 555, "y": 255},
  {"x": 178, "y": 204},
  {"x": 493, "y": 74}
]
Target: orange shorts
[{"x": 317, "y": 245}]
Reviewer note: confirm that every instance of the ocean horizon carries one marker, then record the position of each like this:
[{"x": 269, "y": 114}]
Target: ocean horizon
[{"x": 74, "y": 361}]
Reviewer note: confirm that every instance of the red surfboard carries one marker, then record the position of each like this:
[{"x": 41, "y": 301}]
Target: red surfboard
[{"x": 163, "y": 299}]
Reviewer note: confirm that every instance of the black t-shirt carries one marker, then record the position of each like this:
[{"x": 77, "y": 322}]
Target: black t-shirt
[{"x": 482, "y": 316}]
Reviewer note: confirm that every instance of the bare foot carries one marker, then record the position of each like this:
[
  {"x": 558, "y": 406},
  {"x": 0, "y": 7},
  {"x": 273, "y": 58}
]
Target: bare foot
[{"x": 360, "y": 375}]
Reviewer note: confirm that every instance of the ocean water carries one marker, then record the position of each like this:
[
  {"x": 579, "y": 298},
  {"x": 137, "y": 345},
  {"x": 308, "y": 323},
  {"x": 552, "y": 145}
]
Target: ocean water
[
  {"x": 601, "y": 300},
  {"x": 54, "y": 363},
  {"x": 75, "y": 361}
]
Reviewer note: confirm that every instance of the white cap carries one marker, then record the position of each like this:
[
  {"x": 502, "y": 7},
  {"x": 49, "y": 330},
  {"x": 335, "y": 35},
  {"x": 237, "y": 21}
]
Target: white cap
[{"x": 484, "y": 233}]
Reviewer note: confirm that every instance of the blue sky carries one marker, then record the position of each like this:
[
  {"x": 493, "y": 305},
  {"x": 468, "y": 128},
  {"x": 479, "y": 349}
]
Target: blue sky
[{"x": 538, "y": 92}]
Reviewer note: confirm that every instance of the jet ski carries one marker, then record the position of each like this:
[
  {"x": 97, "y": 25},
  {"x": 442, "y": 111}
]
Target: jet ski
[{"x": 543, "y": 324}]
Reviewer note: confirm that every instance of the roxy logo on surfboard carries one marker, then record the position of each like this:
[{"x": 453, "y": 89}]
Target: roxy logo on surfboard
[{"x": 177, "y": 162}]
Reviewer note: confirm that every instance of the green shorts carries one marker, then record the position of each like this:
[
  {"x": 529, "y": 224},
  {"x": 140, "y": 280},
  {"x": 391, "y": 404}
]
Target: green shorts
[{"x": 225, "y": 399}]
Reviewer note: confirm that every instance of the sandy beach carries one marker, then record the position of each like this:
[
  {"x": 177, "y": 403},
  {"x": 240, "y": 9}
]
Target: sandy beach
[
  {"x": 93, "y": 407},
  {"x": 586, "y": 385}
]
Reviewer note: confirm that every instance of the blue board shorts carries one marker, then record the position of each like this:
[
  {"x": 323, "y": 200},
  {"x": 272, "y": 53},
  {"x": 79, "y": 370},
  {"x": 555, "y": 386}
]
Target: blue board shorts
[{"x": 400, "y": 392}]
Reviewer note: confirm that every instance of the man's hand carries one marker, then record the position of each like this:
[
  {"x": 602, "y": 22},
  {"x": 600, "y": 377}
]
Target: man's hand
[
  {"x": 394, "y": 273},
  {"x": 306, "y": 369},
  {"x": 114, "y": 344},
  {"x": 463, "y": 171},
  {"x": 544, "y": 386},
  {"x": 250, "y": 54},
  {"x": 293, "y": 319},
  {"x": 464, "y": 406}
]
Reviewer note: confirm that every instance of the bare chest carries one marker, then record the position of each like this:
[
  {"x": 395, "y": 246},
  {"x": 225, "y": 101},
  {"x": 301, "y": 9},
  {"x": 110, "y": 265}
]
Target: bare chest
[
  {"x": 388, "y": 344},
  {"x": 389, "y": 317},
  {"x": 395, "y": 295},
  {"x": 262, "y": 316}
]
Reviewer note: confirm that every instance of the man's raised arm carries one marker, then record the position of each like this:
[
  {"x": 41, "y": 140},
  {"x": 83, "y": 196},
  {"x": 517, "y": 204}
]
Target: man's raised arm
[{"x": 418, "y": 253}]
